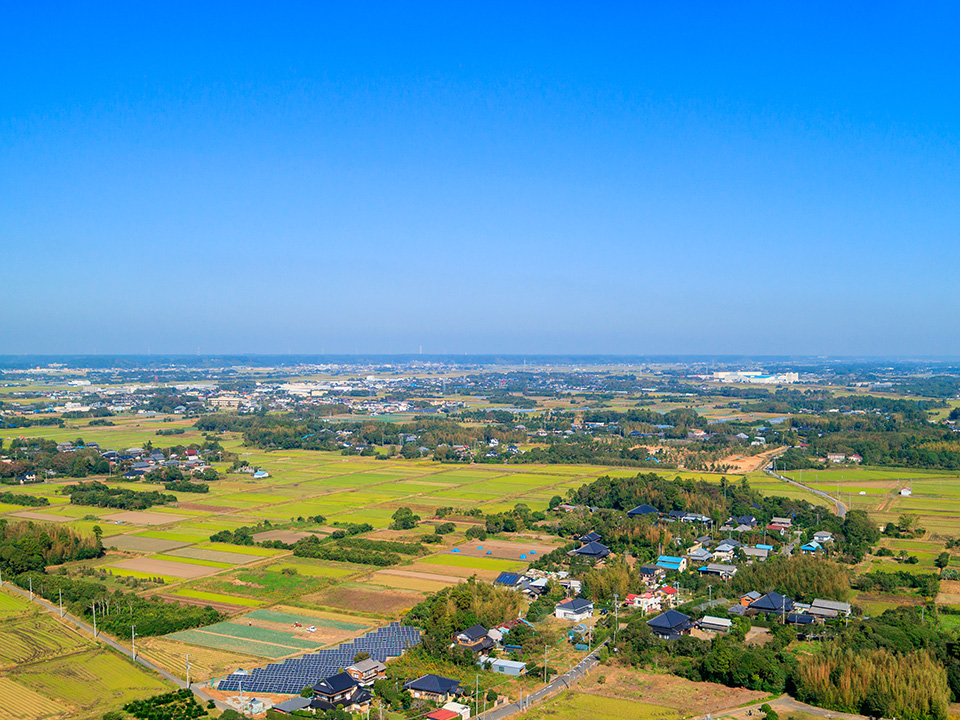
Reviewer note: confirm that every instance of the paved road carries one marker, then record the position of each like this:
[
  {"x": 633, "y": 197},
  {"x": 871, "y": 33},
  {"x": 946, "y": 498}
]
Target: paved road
[
  {"x": 841, "y": 508},
  {"x": 76, "y": 622},
  {"x": 558, "y": 684}
]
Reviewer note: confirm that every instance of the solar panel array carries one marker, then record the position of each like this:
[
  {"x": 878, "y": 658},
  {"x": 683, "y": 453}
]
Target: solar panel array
[{"x": 294, "y": 674}]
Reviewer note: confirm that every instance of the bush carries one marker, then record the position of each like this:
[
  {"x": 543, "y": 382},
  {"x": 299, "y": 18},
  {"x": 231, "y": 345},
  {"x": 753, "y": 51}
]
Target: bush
[{"x": 444, "y": 528}]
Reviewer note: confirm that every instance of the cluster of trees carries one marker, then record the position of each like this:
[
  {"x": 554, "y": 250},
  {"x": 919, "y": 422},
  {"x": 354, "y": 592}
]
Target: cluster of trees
[
  {"x": 30, "y": 546},
  {"x": 9, "y": 498},
  {"x": 176, "y": 705},
  {"x": 456, "y": 608},
  {"x": 313, "y": 547},
  {"x": 98, "y": 494},
  {"x": 926, "y": 584},
  {"x": 801, "y": 577},
  {"x": 403, "y": 548},
  {"x": 117, "y": 611},
  {"x": 404, "y": 519},
  {"x": 187, "y": 486}
]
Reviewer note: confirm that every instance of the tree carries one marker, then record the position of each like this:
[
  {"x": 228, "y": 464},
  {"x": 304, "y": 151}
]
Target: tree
[
  {"x": 404, "y": 519},
  {"x": 943, "y": 559},
  {"x": 307, "y": 691}
]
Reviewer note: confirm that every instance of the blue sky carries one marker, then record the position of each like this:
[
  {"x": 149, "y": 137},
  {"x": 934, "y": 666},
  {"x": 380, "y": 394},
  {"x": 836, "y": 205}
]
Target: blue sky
[{"x": 762, "y": 178}]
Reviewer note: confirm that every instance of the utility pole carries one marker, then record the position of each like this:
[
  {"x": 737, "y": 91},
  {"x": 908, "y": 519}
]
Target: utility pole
[
  {"x": 476, "y": 697},
  {"x": 133, "y": 642},
  {"x": 61, "y": 603},
  {"x": 93, "y": 606},
  {"x": 188, "y": 671},
  {"x": 30, "y": 579},
  {"x": 616, "y": 618}
]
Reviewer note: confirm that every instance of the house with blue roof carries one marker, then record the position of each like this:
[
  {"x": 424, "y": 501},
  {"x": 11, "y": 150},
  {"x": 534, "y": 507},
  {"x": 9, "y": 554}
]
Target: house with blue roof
[
  {"x": 668, "y": 562},
  {"x": 811, "y": 547}
]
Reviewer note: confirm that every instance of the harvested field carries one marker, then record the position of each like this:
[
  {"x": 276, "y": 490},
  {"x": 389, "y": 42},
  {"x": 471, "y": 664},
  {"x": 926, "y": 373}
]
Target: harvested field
[
  {"x": 135, "y": 543},
  {"x": 205, "y": 663},
  {"x": 949, "y": 592},
  {"x": 31, "y": 639},
  {"x": 505, "y": 550},
  {"x": 686, "y": 697},
  {"x": 454, "y": 571},
  {"x": 366, "y": 600},
  {"x": 408, "y": 583},
  {"x": 143, "y": 518},
  {"x": 425, "y": 575},
  {"x": 21, "y": 703},
  {"x": 215, "y": 555},
  {"x": 30, "y": 515},
  {"x": 164, "y": 567},
  {"x": 287, "y": 536},
  {"x": 575, "y": 705},
  {"x": 92, "y": 682}
]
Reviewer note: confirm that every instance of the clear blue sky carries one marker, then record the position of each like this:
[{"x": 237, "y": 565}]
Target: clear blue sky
[{"x": 471, "y": 177}]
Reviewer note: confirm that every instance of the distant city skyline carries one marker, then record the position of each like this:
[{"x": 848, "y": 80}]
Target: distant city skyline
[{"x": 624, "y": 179}]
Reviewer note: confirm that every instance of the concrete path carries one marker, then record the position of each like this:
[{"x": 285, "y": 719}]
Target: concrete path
[
  {"x": 841, "y": 509},
  {"x": 81, "y": 625}
]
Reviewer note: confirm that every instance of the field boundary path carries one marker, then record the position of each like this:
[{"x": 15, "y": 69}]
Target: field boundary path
[
  {"x": 841, "y": 509},
  {"x": 81, "y": 625},
  {"x": 555, "y": 686},
  {"x": 784, "y": 704}
]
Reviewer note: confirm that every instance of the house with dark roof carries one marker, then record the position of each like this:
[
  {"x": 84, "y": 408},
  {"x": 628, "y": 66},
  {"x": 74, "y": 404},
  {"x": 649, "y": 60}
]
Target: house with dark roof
[
  {"x": 433, "y": 687},
  {"x": 576, "y": 609},
  {"x": 474, "y": 638},
  {"x": 590, "y": 537},
  {"x": 670, "y": 625},
  {"x": 772, "y": 603},
  {"x": 642, "y": 510},
  {"x": 509, "y": 580},
  {"x": 592, "y": 551},
  {"x": 340, "y": 690},
  {"x": 721, "y": 569}
]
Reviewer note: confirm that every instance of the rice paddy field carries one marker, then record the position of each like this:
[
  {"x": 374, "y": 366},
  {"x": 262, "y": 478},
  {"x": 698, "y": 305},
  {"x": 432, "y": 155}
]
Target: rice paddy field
[{"x": 49, "y": 671}]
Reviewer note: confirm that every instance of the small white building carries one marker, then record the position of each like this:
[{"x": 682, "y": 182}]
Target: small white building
[
  {"x": 574, "y": 610},
  {"x": 462, "y": 710}
]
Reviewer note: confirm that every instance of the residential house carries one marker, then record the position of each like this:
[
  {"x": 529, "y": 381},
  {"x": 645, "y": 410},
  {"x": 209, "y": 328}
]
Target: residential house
[
  {"x": 836, "y": 457},
  {"x": 721, "y": 569},
  {"x": 670, "y": 625},
  {"x": 590, "y": 537},
  {"x": 576, "y": 609},
  {"x": 643, "y": 510},
  {"x": 754, "y": 553},
  {"x": 773, "y": 603},
  {"x": 725, "y": 551},
  {"x": 709, "y": 623},
  {"x": 510, "y": 580},
  {"x": 502, "y": 666},
  {"x": 340, "y": 689},
  {"x": 651, "y": 574},
  {"x": 432, "y": 687},
  {"x": 748, "y": 598},
  {"x": 442, "y": 714},
  {"x": 811, "y": 547},
  {"x": 668, "y": 595},
  {"x": 366, "y": 671},
  {"x": 474, "y": 638},
  {"x": 823, "y": 536},
  {"x": 593, "y": 551},
  {"x": 668, "y": 562},
  {"x": 699, "y": 556},
  {"x": 459, "y": 708},
  {"x": 646, "y": 602}
]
